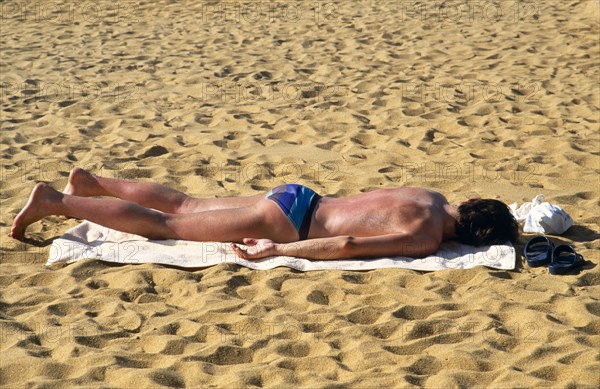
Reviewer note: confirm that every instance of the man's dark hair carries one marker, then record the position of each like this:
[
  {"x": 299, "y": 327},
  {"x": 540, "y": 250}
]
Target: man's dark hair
[{"x": 485, "y": 222}]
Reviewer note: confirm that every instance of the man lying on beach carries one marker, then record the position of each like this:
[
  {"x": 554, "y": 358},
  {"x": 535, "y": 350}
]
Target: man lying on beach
[{"x": 290, "y": 220}]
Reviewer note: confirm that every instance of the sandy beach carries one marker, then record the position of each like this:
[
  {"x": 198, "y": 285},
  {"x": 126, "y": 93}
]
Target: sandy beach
[{"x": 496, "y": 99}]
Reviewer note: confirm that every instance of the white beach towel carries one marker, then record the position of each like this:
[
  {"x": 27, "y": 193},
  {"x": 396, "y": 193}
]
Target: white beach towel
[{"x": 90, "y": 240}]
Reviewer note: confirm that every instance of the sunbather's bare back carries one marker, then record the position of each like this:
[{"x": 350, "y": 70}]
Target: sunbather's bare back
[{"x": 380, "y": 212}]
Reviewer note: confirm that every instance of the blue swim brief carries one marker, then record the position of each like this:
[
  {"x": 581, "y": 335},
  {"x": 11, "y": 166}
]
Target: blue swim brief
[{"x": 298, "y": 204}]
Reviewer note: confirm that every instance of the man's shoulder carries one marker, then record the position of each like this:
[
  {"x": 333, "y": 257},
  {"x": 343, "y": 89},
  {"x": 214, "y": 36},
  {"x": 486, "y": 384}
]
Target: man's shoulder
[
  {"x": 418, "y": 196},
  {"x": 416, "y": 190}
]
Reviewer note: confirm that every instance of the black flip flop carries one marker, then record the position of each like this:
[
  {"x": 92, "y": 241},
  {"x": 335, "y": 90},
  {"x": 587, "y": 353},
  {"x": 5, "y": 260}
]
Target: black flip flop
[
  {"x": 565, "y": 260},
  {"x": 538, "y": 251}
]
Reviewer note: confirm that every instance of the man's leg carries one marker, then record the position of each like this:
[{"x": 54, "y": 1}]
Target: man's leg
[
  {"x": 149, "y": 195},
  {"x": 262, "y": 220}
]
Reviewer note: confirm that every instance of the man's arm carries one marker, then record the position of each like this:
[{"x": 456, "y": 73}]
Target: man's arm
[{"x": 341, "y": 247}]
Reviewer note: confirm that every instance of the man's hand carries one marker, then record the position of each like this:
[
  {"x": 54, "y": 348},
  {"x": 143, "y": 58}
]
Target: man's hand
[{"x": 257, "y": 248}]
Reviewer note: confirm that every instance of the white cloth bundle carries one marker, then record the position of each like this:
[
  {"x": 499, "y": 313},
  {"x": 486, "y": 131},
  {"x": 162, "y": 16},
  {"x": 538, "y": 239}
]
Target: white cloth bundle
[{"x": 542, "y": 217}]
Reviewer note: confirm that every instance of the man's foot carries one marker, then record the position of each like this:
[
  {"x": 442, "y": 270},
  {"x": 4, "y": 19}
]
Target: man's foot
[
  {"x": 40, "y": 204},
  {"x": 81, "y": 183}
]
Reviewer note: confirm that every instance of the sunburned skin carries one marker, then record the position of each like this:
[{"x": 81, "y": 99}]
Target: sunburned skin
[{"x": 380, "y": 212}]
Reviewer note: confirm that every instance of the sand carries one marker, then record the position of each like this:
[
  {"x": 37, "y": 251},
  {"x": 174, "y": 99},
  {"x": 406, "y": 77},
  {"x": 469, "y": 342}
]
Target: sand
[{"x": 500, "y": 100}]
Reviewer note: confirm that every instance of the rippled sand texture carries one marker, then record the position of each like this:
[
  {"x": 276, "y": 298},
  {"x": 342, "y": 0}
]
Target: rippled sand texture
[{"x": 500, "y": 100}]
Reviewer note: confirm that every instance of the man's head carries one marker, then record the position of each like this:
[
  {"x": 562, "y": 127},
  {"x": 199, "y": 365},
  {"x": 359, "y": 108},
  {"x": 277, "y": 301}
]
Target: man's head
[{"x": 484, "y": 222}]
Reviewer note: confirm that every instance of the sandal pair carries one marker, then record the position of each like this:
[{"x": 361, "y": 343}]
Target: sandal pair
[{"x": 562, "y": 259}]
